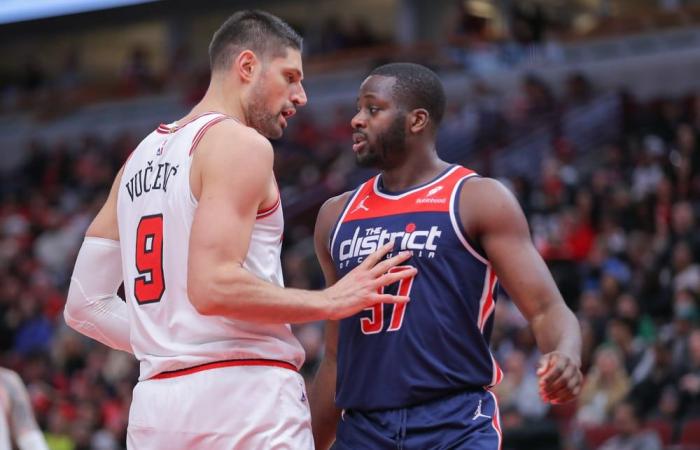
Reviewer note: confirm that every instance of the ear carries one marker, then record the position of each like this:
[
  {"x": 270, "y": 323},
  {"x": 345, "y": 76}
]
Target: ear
[
  {"x": 246, "y": 65},
  {"x": 418, "y": 120}
]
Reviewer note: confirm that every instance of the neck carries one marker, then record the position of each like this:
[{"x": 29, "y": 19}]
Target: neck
[
  {"x": 417, "y": 168},
  {"x": 219, "y": 98}
]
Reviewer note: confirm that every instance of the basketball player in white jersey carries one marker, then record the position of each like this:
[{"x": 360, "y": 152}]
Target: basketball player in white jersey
[
  {"x": 193, "y": 227},
  {"x": 17, "y": 419}
]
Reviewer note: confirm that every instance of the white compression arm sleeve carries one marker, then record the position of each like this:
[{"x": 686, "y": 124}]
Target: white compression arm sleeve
[{"x": 93, "y": 307}]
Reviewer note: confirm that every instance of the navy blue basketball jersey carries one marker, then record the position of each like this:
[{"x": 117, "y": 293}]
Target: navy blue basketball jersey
[{"x": 393, "y": 356}]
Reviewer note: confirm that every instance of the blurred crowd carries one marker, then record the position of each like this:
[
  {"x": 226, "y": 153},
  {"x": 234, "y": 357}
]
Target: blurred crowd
[{"x": 617, "y": 225}]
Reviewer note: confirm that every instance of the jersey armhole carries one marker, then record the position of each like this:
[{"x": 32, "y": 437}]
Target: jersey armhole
[
  {"x": 470, "y": 244},
  {"x": 195, "y": 142},
  {"x": 341, "y": 216}
]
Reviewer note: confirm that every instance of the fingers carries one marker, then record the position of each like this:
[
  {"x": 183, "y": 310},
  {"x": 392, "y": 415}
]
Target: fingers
[
  {"x": 387, "y": 264},
  {"x": 393, "y": 277},
  {"x": 388, "y": 298},
  {"x": 544, "y": 364},
  {"x": 564, "y": 388},
  {"x": 560, "y": 378},
  {"x": 378, "y": 255}
]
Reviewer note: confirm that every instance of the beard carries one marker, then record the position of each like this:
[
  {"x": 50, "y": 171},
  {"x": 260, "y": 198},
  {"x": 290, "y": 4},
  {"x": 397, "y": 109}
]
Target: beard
[
  {"x": 389, "y": 145},
  {"x": 259, "y": 117}
]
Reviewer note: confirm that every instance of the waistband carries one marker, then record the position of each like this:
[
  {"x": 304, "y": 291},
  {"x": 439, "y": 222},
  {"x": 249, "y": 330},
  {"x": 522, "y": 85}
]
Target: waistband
[{"x": 225, "y": 363}]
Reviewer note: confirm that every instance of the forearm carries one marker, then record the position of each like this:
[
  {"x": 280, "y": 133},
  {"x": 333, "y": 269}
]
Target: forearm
[
  {"x": 92, "y": 306},
  {"x": 231, "y": 291},
  {"x": 324, "y": 413},
  {"x": 557, "y": 329}
]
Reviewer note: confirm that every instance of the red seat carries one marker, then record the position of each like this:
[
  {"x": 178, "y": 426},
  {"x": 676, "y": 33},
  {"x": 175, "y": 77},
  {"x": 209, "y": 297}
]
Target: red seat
[
  {"x": 663, "y": 428},
  {"x": 596, "y": 435},
  {"x": 690, "y": 435}
]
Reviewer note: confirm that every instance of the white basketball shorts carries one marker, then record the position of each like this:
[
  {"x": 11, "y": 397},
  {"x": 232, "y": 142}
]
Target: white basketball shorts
[{"x": 222, "y": 408}]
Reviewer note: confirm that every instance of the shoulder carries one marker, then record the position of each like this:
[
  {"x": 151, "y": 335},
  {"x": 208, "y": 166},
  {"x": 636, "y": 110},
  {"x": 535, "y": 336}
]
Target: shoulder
[
  {"x": 229, "y": 141},
  {"x": 475, "y": 186},
  {"x": 334, "y": 205},
  {"x": 329, "y": 213},
  {"x": 486, "y": 202}
]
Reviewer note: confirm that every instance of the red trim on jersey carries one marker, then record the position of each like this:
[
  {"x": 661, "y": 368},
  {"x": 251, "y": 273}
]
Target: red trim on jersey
[
  {"x": 164, "y": 128},
  {"x": 488, "y": 305},
  {"x": 200, "y": 134},
  {"x": 268, "y": 211},
  {"x": 227, "y": 363},
  {"x": 433, "y": 197},
  {"x": 499, "y": 372}
]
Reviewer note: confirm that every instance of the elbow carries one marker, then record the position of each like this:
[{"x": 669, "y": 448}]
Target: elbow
[
  {"x": 72, "y": 308},
  {"x": 200, "y": 295},
  {"x": 212, "y": 295},
  {"x": 68, "y": 318},
  {"x": 218, "y": 292}
]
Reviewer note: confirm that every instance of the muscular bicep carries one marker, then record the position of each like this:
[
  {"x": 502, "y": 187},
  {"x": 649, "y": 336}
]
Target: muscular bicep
[
  {"x": 234, "y": 182},
  {"x": 105, "y": 224},
  {"x": 327, "y": 216},
  {"x": 499, "y": 225}
]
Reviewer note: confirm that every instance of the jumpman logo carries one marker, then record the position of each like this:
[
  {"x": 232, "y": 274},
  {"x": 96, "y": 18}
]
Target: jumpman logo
[
  {"x": 361, "y": 205},
  {"x": 478, "y": 414}
]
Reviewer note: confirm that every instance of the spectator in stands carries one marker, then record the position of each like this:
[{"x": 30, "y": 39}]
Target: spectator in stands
[
  {"x": 690, "y": 378},
  {"x": 658, "y": 379},
  {"x": 630, "y": 434},
  {"x": 621, "y": 333},
  {"x": 605, "y": 386},
  {"x": 519, "y": 390}
]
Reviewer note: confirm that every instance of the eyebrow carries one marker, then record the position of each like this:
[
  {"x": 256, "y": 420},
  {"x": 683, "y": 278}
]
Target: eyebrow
[{"x": 371, "y": 96}]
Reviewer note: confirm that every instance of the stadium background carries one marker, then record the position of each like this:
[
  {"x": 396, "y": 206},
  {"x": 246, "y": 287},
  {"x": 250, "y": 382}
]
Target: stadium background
[{"x": 588, "y": 110}]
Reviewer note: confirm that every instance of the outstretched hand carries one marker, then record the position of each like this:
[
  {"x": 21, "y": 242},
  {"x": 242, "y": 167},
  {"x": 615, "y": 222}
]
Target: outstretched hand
[
  {"x": 361, "y": 287},
  {"x": 560, "y": 378}
]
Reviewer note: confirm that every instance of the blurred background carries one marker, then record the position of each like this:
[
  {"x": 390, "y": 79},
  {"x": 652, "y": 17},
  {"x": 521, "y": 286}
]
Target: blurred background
[{"x": 588, "y": 110}]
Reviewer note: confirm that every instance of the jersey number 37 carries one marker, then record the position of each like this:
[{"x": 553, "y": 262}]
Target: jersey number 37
[{"x": 375, "y": 322}]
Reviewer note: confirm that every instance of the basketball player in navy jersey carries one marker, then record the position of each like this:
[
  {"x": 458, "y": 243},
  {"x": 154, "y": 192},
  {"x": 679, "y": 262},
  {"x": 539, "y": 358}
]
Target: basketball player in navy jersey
[{"x": 418, "y": 375}]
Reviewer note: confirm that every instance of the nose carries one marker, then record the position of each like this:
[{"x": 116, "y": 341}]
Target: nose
[
  {"x": 358, "y": 121},
  {"x": 299, "y": 96}
]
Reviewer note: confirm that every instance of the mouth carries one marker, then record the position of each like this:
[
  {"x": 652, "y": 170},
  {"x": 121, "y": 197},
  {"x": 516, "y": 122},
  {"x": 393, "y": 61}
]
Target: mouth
[
  {"x": 286, "y": 114},
  {"x": 359, "y": 142}
]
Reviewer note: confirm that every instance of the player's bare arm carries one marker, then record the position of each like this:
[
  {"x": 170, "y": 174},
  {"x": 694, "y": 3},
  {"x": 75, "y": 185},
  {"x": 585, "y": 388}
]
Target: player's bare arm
[
  {"x": 501, "y": 229},
  {"x": 105, "y": 225},
  {"x": 231, "y": 183},
  {"x": 93, "y": 307},
  {"x": 324, "y": 413}
]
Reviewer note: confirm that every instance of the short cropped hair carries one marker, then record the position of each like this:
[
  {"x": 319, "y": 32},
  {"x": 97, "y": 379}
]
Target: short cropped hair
[
  {"x": 259, "y": 31},
  {"x": 416, "y": 86}
]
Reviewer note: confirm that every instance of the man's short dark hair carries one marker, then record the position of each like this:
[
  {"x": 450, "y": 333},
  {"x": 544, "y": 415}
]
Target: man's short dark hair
[
  {"x": 416, "y": 86},
  {"x": 259, "y": 31}
]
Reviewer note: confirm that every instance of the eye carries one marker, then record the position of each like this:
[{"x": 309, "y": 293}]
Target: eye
[{"x": 373, "y": 109}]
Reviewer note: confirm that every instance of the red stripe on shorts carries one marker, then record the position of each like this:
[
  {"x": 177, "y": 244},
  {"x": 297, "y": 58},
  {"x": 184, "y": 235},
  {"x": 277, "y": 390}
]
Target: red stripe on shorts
[{"x": 227, "y": 363}]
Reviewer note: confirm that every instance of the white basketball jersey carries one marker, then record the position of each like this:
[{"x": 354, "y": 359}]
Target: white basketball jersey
[{"x": 155, "y": 208}]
